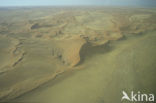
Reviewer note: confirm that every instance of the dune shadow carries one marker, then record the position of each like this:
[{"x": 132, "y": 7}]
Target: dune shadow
[{"x": 87, "y": 51}]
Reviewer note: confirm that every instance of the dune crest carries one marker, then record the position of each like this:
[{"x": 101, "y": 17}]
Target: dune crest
[{"x": 37, "y": 44}]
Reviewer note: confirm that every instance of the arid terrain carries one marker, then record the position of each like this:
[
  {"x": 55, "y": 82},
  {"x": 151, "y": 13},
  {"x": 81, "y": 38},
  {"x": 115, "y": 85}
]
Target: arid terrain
[{"x": 76, "y": 54}]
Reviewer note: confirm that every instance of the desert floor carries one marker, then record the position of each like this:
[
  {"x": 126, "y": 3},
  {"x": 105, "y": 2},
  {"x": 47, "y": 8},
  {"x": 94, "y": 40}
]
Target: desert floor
[{"x": 76, "y": 54}]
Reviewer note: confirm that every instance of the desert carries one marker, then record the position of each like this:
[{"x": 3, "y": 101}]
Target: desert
[{"x": 76, "y": 54}]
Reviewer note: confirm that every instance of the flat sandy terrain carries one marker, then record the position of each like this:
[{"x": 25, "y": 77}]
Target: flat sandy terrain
[{"x": 76, "y": 54}]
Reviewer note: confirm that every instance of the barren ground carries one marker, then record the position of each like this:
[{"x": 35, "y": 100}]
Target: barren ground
[{"x": 76, "y": 54}]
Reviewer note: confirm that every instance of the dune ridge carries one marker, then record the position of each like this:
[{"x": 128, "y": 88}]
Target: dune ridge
[{"x": 35, "y": 48}]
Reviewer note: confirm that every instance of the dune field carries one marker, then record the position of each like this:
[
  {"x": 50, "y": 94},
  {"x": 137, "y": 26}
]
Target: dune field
[{"x": 76, "y": 54}]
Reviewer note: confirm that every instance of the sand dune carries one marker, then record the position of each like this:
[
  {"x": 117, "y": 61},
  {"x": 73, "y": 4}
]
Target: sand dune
[{"x": 36, "y": 45}]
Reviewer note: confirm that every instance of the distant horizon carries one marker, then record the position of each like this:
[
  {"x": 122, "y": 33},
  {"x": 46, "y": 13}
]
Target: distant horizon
[
  {"x": 29, "y": 6},
  {"x": 34, "y": 3}
]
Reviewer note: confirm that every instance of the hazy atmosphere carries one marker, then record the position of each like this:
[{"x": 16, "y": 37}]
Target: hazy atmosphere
[
  {"x": 77, "y": 2},
  {"x": 77, "y": 51}
]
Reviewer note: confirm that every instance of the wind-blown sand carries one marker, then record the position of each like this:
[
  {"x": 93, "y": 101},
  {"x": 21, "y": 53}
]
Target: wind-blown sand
[
  {"x": 85, "y": 55},
  {"x": 104, "y": 75}
]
